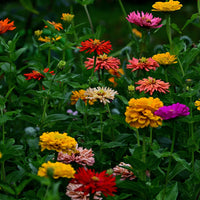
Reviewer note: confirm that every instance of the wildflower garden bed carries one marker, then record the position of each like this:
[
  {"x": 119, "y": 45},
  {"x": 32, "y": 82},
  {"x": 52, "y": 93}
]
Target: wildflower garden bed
[{"x": 83, "y": 120}]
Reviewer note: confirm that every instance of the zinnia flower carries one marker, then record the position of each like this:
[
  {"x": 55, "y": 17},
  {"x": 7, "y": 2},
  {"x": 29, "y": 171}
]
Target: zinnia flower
[
  {"x": 140, "y": 112},
  {"x": 48, "y": 39},
  {"x": 103, "y": 62},
  {"x": 37, "y": 75},
  {"x": 81, "y": 156},
  {"x": 38, "y": 32},
  {"x": 167, "y": 6},
  {"x": 172, "y": 111},
  {"x": 92, "y": 182},
  {"x": 142, "y": 63},
  {"x": 137, "y": 33},
  {"x": 79, "y": 195},
  {"x": 95, "y": 45},
  {"x": 151, "y": 84},
  {"x": 165, "y": 58},
  {"x": 197, "y": 103},
  {"x": 58, "y": 169},
  {"x": 58, "y": 142},
  {"x": 117, "y": 74},
  {"x": 103, "y": 94},
  {"x": 67, "y": 17},
  {"x": 123, "y": 172},
  {"x": 6, "y": 26},
  {"x": 57, "y": 26},
  {"x": 80, "y": 94},
  {"x": 144, "y": 20}
]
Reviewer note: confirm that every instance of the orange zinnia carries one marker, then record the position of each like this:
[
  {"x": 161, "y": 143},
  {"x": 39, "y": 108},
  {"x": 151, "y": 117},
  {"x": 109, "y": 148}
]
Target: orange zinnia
[
  {"x": 151, "y": 84},
  {"x": 57, "y": 26},
  {"x": 5, "y": 26},
  {"x": 117, "y": 74},
  {"x": 96, "y": 45}
]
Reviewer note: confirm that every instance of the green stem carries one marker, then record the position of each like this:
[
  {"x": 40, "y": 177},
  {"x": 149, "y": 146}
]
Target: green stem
[
  {"x": 94, "y": 65},
  {"x": 151, "y": 135},
  {"x": 198, "y": 6},
  {"x": 89, "y": 18},
  {"x": 49, "y": 56},
  {"x": 138, "y": 136},
  {"x": 180, "y": 65},
  {"x": 73, "y": 26},
  {"x": 166, "y": 73},
  {"x": 144, "y": 148},
  {"x": 101, "y": 121},
  {"x": 168, "y": 30},
  {"x": 108, "y": 109}
]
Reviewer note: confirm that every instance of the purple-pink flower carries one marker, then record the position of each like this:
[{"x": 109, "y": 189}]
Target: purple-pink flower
[
  {"x": 172, "y": 111},
  {"x": 144, "y": 20}
]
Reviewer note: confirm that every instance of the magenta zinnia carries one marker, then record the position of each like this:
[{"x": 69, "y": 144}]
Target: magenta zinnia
[
  {"x": 144, "y": 20},
  {"x": 103, "y": 62},
  {"x": 142, "y": 63},
  {"x": 172, "y": 111},
  {"x": 151, "y": 85}
]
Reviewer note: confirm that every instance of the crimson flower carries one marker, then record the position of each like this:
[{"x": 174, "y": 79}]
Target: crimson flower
[
  {"x": 5, "y": 26},
  {"x": 103, "y": 62},
  {"x": 37, "y": 75},
  {"x": 92, "y": 182},
  {"x": 142, "y": 63},
  {"x": 95, "y": 45},
  {"x": 151, "y": 84},
  {"x": 144, "y": 20}
]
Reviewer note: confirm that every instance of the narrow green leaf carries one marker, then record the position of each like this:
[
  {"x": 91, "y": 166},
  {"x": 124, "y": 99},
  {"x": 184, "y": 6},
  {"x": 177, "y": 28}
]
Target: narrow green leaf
[{"x": 27, "y": 4}]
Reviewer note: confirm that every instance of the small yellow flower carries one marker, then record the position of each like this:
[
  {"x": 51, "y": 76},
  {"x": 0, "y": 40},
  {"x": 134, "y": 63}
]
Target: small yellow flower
[
  {"x": 197, "y": 103},
  {"x": 59, "y": 169},
  {"x": 48, "y": 39},
  {"x": 167, "y": 6},
  {"x": 38, "y": 33},
  {"x": 67, "y": 17},
  {"x": 131, "y": 88},
  {"x": 165, "y": 58},
  {"x": 137, "y": 33},
  {"x": 1, "y": 155},
  {"x": 58, "y": 142}
]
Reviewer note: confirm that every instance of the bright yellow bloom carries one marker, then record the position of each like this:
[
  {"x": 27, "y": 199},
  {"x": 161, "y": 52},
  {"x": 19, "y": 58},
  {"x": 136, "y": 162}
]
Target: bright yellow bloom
[
  {"x": 58, "y": 142},
  {"x": 38, "y": 33},
  {"x": 48, "y": 39},
  {"x": 67, "y": 17},
  {"x": 197, "y": 103},
  {"x": 59, "y": 169},
  {"x": 165, "y": 58},
  {"x": 1, "y": 155},
  {"x": 137, "y": 33},
  {"x": 167, "y": 6},
  {"x": 140, "y": 112}
]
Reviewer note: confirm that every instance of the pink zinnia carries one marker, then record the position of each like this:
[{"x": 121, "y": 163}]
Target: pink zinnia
[
  {"x": 142, "y": 63},
  {"x": 82, "y": 157},
  {"x": 144, "y": 20},
  {"x": 151, "y": 84},
  {"x": 103, "y": 62}
]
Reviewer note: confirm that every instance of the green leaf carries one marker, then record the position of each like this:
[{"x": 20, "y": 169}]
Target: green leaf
[
  {"x": 136, "y": 164},
  {"x": 85, "y": 2},
  {"x": 6, "y": 197},
  {"x": 7, "y": 188},
  {"x": 19, "y": 52},
  {"x": 22, "y": 185},
  {"x": 80, "y": 106},
  {"x": 123, "y": 99},
  {"x": 57, "y": 117},
  {"x": 27, "y": 4},
  {"x": 176, "y": 28},
  {"x": 193, "y": 17}
]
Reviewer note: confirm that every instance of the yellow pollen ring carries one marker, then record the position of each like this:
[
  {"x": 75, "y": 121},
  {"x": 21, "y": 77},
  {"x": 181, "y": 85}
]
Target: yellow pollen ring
[{"x": 94, "y": 178}]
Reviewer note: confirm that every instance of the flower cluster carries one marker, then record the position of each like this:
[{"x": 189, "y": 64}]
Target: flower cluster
[
  {"x": 57, "y": 170},
  {"x": 140, "y": 112},
  {"x": 58, "y": 142},
  {"x": 165, "y": 58},
  {"x": 6, "y": 26}
]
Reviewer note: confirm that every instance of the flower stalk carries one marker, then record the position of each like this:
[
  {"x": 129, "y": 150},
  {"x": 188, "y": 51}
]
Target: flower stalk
[{"x": 89, "y": 18}]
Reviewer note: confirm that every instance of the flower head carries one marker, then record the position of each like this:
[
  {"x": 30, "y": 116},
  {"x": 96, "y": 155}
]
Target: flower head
[
  {"x": 144, "y": 20},
  {"x": 58, "y": 170},
  {"x": 116, "y": 74},
  {"x": 172, "y": 111},
  {"x": 123, "y": 172},
  {"x": 96, "y": 46},
  {"x": 165, "y": 58},
  {"x": 38, "y": 32},
  {"x": 57, "y": 26},
  {"x": 142, "y": 63},
  {"x": 81, "y": 156},
  {"x": 137, "y": 33},
  {"x": 67, "y": 17},
  {"x": 103, "y": 94},
  {"x": 92, "y": 182},
  {"x": 103, "y": 62},
  {"x": 140, "y": 112},
  {"x": 167, "y": 6},
  {"x": 6, "y": 26},
  {"x": 37, "y": 75},
  {"x": 151, "y": 84},
  {"x": 80, "y": 94},
  {"x": 197, "y": 103},
  {"x": 58, "y": 142},
  {"x": 48, "y": 39}
]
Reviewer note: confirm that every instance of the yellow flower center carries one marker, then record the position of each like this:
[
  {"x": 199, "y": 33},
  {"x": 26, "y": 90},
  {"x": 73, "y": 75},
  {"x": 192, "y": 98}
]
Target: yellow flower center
[
  {"x": 101, "y": 92},
  {"x": 103, "y": 57},
  {"x": 94, "y": 178},
  {"x": 143, "y": 60},
  {"x": 96, "y": 41}
]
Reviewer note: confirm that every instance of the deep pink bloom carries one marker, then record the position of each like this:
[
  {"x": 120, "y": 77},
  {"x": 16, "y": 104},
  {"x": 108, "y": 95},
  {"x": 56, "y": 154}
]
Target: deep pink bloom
[
  {"x": 144, "y": 20},
  {"x": 142, "y": 63},
  {"x": 172, "y": 111}
]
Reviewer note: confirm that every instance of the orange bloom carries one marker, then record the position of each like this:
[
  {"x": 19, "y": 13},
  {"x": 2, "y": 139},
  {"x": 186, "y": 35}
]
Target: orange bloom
[
  {"x": 5, "y": 26},
  {"x": 117, "y": 73},
  {"x": 151, "y": 84},
  {"x": 96, "y": 45},
  {"x": 142, "y": 63},
  {"x": 57, "y": 26}
]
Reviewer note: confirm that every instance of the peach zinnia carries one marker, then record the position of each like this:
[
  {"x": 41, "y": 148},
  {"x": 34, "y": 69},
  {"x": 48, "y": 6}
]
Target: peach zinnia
[
  {"x": 151, "y": 85},
  {"x": 5, "y": 26},
  {"x": 142, "y": 63}
]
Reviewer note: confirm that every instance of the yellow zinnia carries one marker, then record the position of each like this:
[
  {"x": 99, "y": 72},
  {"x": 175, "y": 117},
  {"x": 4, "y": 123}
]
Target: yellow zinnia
[
  {"x": 59, "y": 169},
  {"x": 48, "y": 39},
  {"x": 167, "y": 6},
  {"x": 58, "y": 142},
  {"x": 67, "y": 17},
  {"x": 165, "y": 58},
  {"x": 140, "y": 112},
  {"x": 197, "y": 103}
]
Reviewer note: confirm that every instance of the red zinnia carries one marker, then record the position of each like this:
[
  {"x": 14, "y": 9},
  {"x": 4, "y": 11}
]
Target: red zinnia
[
  {"x": 92, "y": 182},
  {"x": 103, "y": 61},
  {"x": 5, "y": 26},
  {"x": 96, "y": 45},
  {"x": 142, "y": 63},
  {"x": 37, "y": 75}
]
